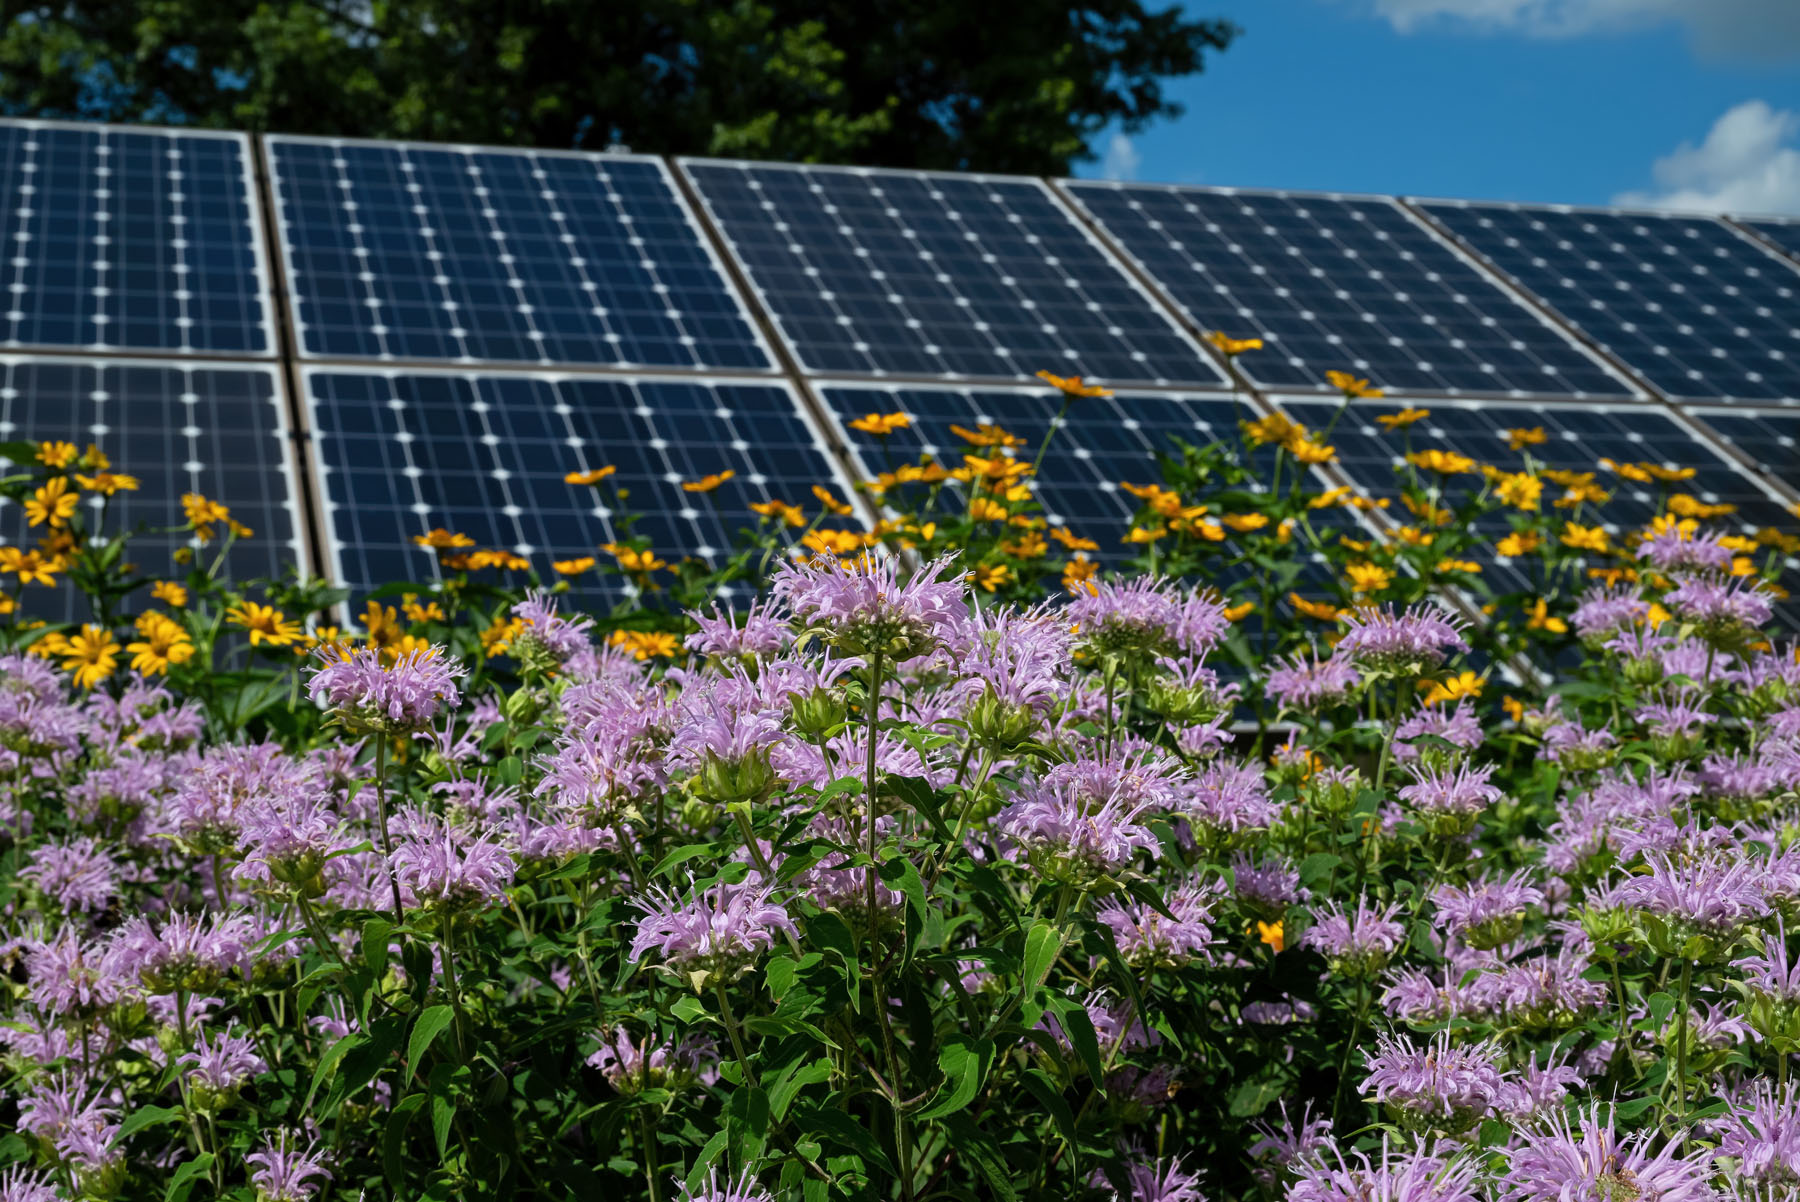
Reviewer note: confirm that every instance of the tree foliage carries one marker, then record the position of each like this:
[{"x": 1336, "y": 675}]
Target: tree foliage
[{"x": 1007, "y": 85}]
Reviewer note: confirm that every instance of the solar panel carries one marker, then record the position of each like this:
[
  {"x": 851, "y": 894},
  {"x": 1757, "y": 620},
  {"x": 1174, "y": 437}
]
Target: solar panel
[
  {"x": 1769, "y": 437},
  {"x": 485, "y": 454},
  {"x": 400, "y": 251},
  {"x": 1576, "y": 438},
  {"x": 1339, "y": 283},
  {"x": 1697, "y": 310},
  {"x": 220, "y": 431},
  {"x": 938, "y": 276},
  {"x": 133, "y": 239},
  {"x": 1784, "y": 234}
]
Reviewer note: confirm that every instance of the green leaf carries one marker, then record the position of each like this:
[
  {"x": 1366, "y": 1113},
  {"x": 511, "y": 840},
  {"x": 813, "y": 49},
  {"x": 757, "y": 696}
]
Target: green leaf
[
  {"x": 1049, "y": 1096},
  {"x": 429, "y": 1025},
  {"x": 1661, "y": 1006},
  {"x": 1043, "y": 944},
  {"x": 1318, "y": 866},
  {"x": 1253, "y": 1097},
  {"x": 979, "y": 1149},
  {"x": 363, "y": 1061},
  {"x": 1080, "y": 1029},
  {"x": 443, "y": 1110},
  {"x": 964, "y": 1062},
  {"x": 688, "y": 1009},
  {"x": 147, "y": 1116},
  {"x": 393, "y": 1141},
  {"x": 184, "y": 1176},
  {"x": 328, "y": 1062},
  {"x": 833, "y": 1122},
  {"x": 682, "y": 855}
]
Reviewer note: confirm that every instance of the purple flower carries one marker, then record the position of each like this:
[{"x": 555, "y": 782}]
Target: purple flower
[
  {"x": 1450, "y": 800},
  {"x": 220, "y": 1066},
  {"x": 1459, "y": 727},
  {"x": 1016, "y": 668},
  {"x": 1546, "y": 991},
  {"x": 1148, "y": 938},
  {"x": 76, "y": 875},
  {"x": 285, "y": 1172},
  {"x": 1413, "y": 996},
  {"x": 1148, "y": 618},
  {"x": 1604, "y": 612},
  {"x": 548, "y": 637},
  {"x": 1268, "y": 886},
  {"x": 1774, "y": 973},
  {"x": 1712, "y": 896},
  {"x": 400, "y": 699},
  {"x": 1411, "y": 643},
  {"x": 446, "y": 868},
  {"x": 1396, "y": 1177},
  {"x": 188, "y": 952},
  {"x": 1723, "y": 610},
  {"x": 1310, "y": 684},
  {"x": 1760, "y": 1134},
  {"x": 1158, "y": 1181},
  {"x": 1533, "y": 1091},
  {"x": 1072, "y": 839},
  {"x": 23, "y": 1185},
  {"x": 1358, "y": 942},
  {"x": 1226, "y": 799},
  {"x": 1486, "y": 914},
  {"x": 1560, "y": 1163},
  {"x": 1282, "y": 1148},
  {"x": 744, "y": 1189},
  {"x": 674, "y": 1067},
  {"x": 1437, "y": 1086},
  {"x": 70, "y": 975},
  {"x": 759, "y": 635},
  {"x": 1673, "y": 549},
  {"x": 718, "y": 935},
  {"x": 1117, "y": 1027},
  {"x": 863, "y": 608},
  {"x": 82, "y": 1130}
]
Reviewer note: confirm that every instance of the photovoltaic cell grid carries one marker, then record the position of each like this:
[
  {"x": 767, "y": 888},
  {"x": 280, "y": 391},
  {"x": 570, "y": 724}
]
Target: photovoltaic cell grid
[
  {"x": 1697, "y": 310},
  {"x": 1340, "y": 283},
  {"x": 1770, "y": 437},
  {"x": 943, "y": 276},
  {"x": 1106, "y": 441},
  {"x": 398, "y": 251},
  {"x": 1785, "y": 234},
  {"x": 130, "y": 240},
  {"x": 217, "y": 431},
  {"x": 485, "y": 454},
  {"x": 1578, "y": 438}
]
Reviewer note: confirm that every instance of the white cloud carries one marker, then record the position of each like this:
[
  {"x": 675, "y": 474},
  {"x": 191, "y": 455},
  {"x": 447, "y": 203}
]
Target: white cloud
[
  {"x": 1121, "y": 160},
  {"x": 1747, "y": 164},
  {"x": 1761, "y": 29}
]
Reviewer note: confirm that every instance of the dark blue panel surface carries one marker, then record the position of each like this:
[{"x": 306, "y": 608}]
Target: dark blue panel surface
[
  {"x": 129, "y": 239},
  {"x": 938, "y": 275},
  {"x": 1578, "y": 438},
  {"x": 485, "y": 455},
  {"x": 1351, "y": 284},
  {"x": 1770, "y": 438},
  {"x": 412, "y": 252},
  {"x": 1784, "y": 234},
  {"x": 1694, "y": 308},
  {"x": 217, "y": 431}
]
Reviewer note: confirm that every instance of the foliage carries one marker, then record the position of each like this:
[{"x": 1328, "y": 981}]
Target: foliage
[
  {"x": 900, "y": 884},
  {"x": 1022, "y": 86}
]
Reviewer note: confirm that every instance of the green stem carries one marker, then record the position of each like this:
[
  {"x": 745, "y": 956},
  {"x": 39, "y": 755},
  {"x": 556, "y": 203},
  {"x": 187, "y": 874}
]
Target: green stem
[
  {"x": 387, "y": 839},
  {"x": 1681, "y": 1042},
  {"x": 731, "y": 1029},
  {"x": 462, "y": 1042},
  {"x": 648, "y": 1130}
]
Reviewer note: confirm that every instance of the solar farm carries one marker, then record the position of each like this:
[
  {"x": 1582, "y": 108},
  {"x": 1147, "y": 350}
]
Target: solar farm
[{"x": 355, "y": 343}]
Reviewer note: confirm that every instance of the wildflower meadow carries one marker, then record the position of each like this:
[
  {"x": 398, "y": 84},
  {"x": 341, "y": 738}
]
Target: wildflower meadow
[{"x": 1261, "y": 851}]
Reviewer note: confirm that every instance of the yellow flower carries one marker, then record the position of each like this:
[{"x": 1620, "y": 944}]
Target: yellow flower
[
  {"x": 1138, "y": 534},
  {"x": 498, "y": 637},
  {"x": 1272, "y": 934},
  {"x": 1666, "y": 475},
  {"x": 1585, "y": 538},
  {"x": 1367, "y": 577},
  {"x": 506, "y": 561},
  {"x": 1078, "y": 571},
  {"x": 169, "y": 593},
  {"x": 882, "y": 424},
  {"x": 1406, "y": 417},
  {"x": 1539, "y": 617},
  {"x": 781, "y": 511},
  {"x": 1309, "y": 450},
  {"x": 203, "y": 515},
  {"x": 1444, "y": 463},
  {"x": 1446, "y": 566},
  {"x": 52, "y": 503},
  {"x": 1237, "y": 613},
  {"x": 1244, "y": 523},
  {"x": 1583, "y": 494},
  {"x": 382, "y": 624},
  {"x": 1028, "y": 546},
  {"x": 1464, "y": 684},
  {"x": 108, "y": 483},
  {"x": 573, "y": 567},
  {"x": 30, "y": 566},
  {"x": 94, "y": 459},
  {"x": 1683, "y": 505},
  {"x": 1628, "y": 471},
  {"x": 1231, "y": 348},
  {"x": 1515, "y": 709},
  {"x": 985, "y": 435},
  {"x": 265, "y": 623},
  {"x": 1426, "y": 512},
  {"x": 1073, "y": 542},
  {"x": 1330, "y": 497},
  {"x": 1787, "y": 544},
  {"x": 162, "y": 641},
  {"x": 707, "y": 483},
  {"x": 91, "y": 654},
  {"x": 1274, "y": 428},
  {"x": 1520, "y": 437},
  {"x": 1317, "y": 610},
  {"x": 644, "y": 644},
  {"x": 1521, "y": 490},
  {"x": 592, "y": 476},
  {"x": 634, "y": 560},
  {"x": 441, "y": 539},
  {"x": 829, "y": 500},
  {"x": 1349, "y": 385},
  {"x": 56, "y": 454},
  {"x": 1520, "y": 542},
  {"x": 1072, "y": 387},
  {"x": 430, "y": 612},
  {"x": 999, "y": 471},
  {"x": 991, "y": 576},
  {"x": 986, "y": 509}
]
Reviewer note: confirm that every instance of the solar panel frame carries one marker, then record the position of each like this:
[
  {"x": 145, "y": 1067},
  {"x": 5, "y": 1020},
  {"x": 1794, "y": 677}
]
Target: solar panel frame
[
  {"x": 1209, "y": 373},
  {"x": 692, "y": 221},
  {"x": 1770, "y": 426},
  {"x": 280, "y": 430},
  {"x": 261, "y": 269},
  {"x": 1779, "y": 234},
  {"x": 1526, "y": 306},
  {"x": 333, "y": 547},
  {"x": 1622, "y": 357}
]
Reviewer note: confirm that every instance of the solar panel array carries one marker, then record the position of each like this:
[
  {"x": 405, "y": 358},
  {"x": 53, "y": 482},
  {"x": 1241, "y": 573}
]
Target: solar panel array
[{"x": 464, "y": 326}]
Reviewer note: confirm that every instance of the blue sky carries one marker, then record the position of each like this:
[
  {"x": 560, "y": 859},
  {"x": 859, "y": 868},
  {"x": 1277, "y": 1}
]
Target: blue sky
[{"x": 1685, "y": 103}]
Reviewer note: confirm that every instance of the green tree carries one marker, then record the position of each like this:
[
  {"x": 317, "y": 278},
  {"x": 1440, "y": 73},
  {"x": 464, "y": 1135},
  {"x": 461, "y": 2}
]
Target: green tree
[{"x": 1000, "y": 85}]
